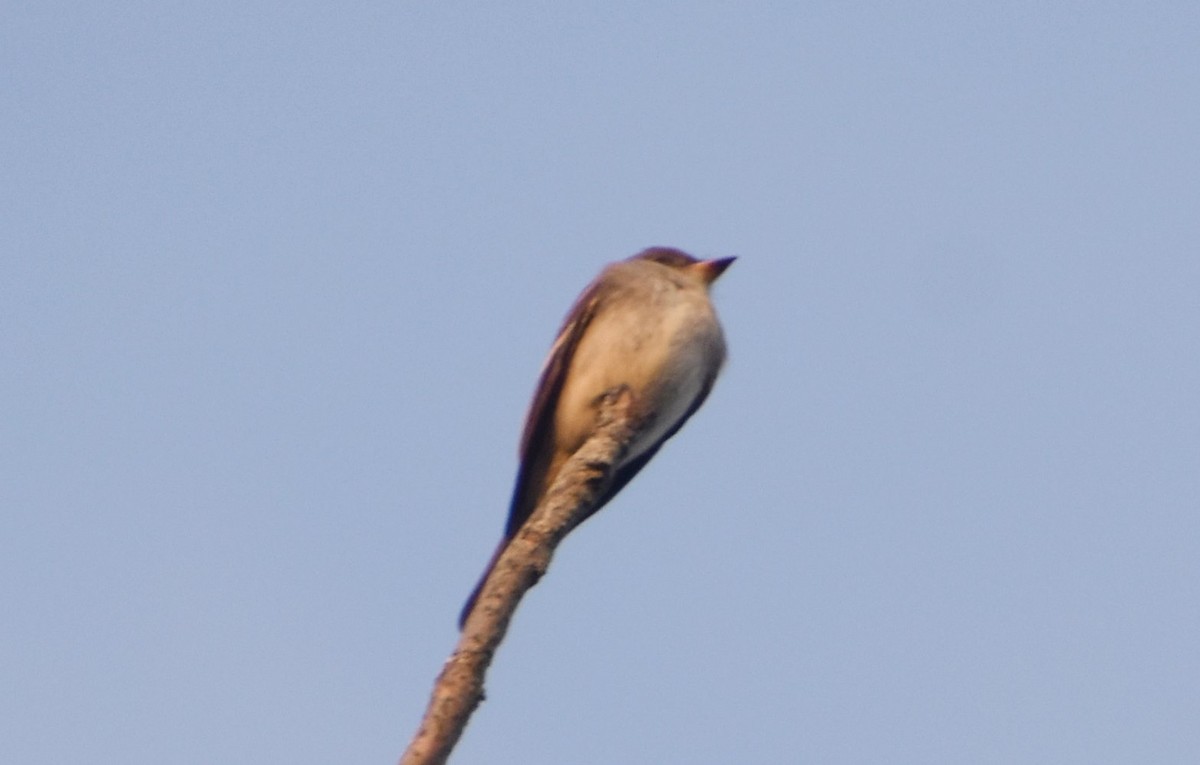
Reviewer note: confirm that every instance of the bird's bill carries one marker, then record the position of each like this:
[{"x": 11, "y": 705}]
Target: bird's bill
[{"x": 709, "y": 270}]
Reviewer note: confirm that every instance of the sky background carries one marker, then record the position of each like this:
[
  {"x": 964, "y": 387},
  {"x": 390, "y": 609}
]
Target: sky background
[{"x": 276, "y": 280}]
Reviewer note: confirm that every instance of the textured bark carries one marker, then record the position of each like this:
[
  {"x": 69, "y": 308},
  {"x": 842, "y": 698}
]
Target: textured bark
[{"x": 582, "y": 480}]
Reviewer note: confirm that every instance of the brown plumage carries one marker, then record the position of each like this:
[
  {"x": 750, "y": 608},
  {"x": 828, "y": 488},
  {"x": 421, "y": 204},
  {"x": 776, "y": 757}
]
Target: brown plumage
[{"x": 646, "y": 323}]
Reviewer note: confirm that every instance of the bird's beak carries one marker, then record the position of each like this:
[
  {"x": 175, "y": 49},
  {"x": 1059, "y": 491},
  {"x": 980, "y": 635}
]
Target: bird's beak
[{"x": 709, "y": 270}]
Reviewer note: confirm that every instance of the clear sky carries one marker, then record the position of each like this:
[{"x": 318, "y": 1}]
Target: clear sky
[{"x": 276, "y": 280}]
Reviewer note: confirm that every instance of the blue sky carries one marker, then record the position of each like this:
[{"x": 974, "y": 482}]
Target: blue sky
[{"x": 276, "y": 280}]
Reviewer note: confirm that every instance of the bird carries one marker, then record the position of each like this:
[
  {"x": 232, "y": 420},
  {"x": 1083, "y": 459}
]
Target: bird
[{"x": 645, "y": 323}]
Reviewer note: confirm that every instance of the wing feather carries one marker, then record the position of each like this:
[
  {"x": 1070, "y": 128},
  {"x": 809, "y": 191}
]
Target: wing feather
[{"x": 538, "y": 437}]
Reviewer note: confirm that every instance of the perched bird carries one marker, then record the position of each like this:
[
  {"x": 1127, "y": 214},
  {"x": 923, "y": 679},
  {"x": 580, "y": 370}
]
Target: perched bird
[{"x": 645, "y": 323}]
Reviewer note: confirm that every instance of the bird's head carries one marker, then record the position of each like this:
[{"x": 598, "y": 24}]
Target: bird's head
[{"x": 706, "y": 271}]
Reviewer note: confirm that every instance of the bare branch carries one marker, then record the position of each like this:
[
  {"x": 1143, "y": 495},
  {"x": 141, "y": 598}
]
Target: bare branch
[{"x": 582, "y": 480}]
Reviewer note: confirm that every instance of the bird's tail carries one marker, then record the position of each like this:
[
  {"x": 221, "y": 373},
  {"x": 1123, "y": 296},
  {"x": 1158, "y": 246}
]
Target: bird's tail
[{"x": 470, "y": 604}]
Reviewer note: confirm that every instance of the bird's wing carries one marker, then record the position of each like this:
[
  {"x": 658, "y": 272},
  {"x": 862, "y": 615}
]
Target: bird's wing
[{"x": 538, "y": 437}]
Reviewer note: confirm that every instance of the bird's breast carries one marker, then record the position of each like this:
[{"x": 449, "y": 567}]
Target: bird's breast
[{"x": 665, "y": 348}]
